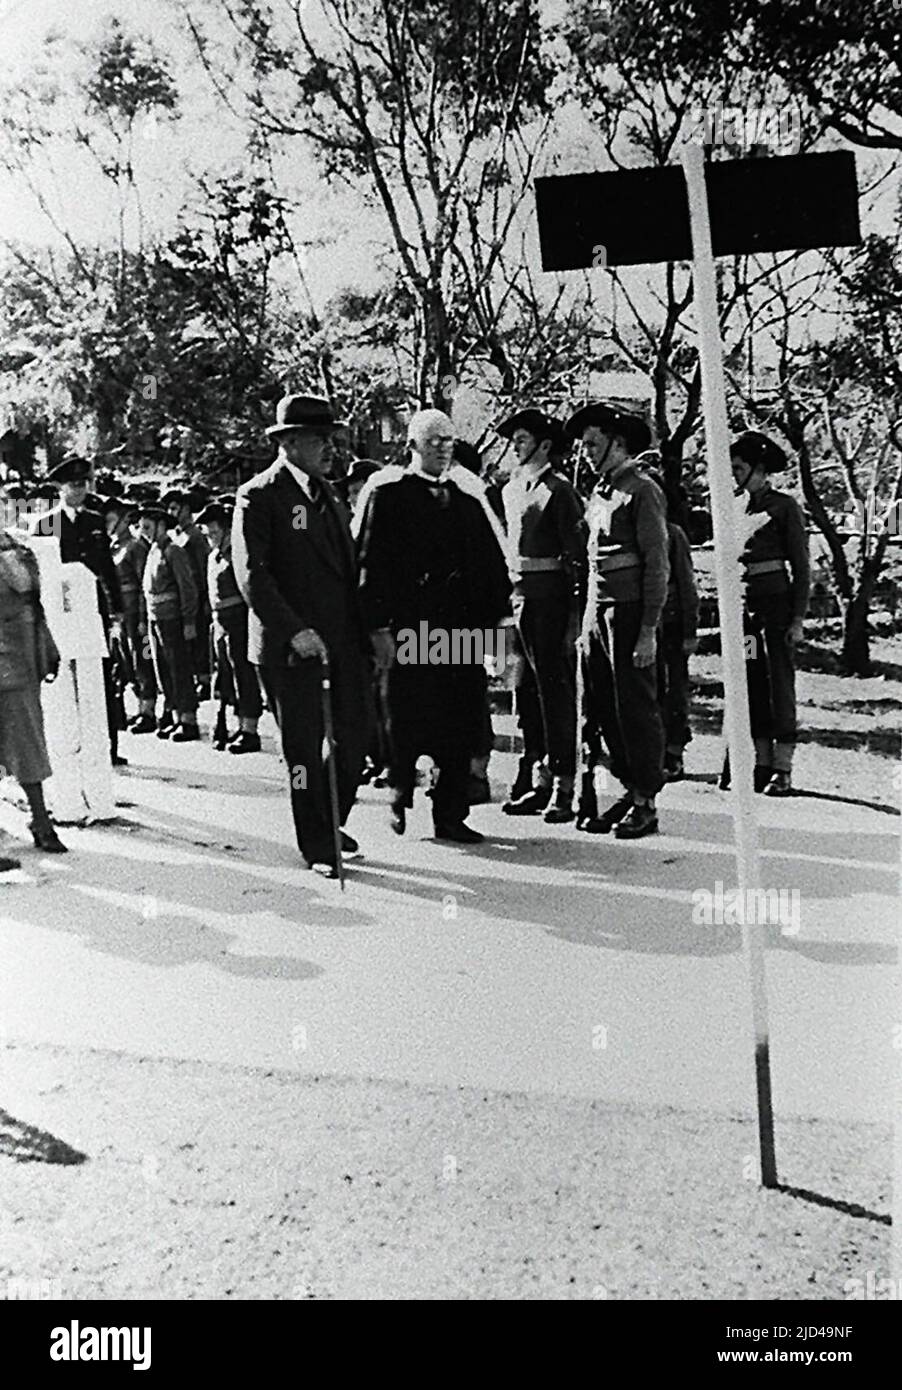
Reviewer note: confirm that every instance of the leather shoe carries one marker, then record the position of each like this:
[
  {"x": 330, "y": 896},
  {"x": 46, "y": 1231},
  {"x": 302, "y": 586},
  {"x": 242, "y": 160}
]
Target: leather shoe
[
  {"x": 246, "y": 742},
  {"x": 779, "y": 784},
  {"x": 186, "y": 733},
  {"x": 349, "y": 846},
  {"x": 325, "y": 868},
  {"x": 762, "y": 777},
  {"x": 638, "y": 821},
  {"x": 674, "y": 771},
  {"x": 604, "y": 824},
  {"x": 532, "y": 804},
  {"x": 143, "y": 724},
  {"x": 398, "y": 818},
  {"x": 460, "y": 833}
]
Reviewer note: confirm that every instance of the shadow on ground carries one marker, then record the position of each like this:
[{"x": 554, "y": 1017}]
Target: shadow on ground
[{"x": 27, "y": 1144}]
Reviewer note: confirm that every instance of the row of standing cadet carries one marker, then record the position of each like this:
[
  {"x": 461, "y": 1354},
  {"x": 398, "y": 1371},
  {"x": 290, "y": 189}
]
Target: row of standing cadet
[{"x": 607, "y": 614}]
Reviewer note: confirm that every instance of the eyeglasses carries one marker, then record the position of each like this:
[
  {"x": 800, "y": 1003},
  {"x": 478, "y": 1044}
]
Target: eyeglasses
[{"x": 438, "y": 440}]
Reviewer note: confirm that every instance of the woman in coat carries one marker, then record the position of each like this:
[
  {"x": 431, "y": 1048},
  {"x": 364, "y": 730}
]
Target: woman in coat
[{"x": 28, "y": 655}]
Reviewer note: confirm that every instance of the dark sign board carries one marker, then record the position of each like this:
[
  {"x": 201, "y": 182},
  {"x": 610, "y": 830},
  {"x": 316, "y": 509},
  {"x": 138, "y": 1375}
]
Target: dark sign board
[{"x": 641, "y": 216}]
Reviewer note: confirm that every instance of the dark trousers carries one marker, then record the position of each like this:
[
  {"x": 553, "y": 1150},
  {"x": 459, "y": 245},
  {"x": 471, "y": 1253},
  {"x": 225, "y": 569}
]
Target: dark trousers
[
  {"x": 136, "y": 653},
  {"x": 294, "y": 694},
  {"x": 200, "y": 648},
  {"x": 112, "y": 705},
  {"x": 485, "y": 742},
  {"x": 770, "y": 668},
  {"x": 546, "y": 689},
  {"x": 173, "y": 665},
  {"x": 620, "y": 703},
  {"x": 437, "y": 711},
  {"x": 234, "y": 671},
  {"x": 673, "y": 683}
]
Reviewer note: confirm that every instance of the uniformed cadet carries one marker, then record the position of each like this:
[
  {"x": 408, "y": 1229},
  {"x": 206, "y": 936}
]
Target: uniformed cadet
[
  {"x": 130, "y": 550},
  {"x": 170, "y": 602},
  {"x": 628, "y": 555},
  {"x": 234, "y": 672},
  {"x": 187, "y": 534},
  {"x": 777, "y": 588},
  {"x": 679, "y": 634},
  {"x": 547, "y": 554},
  {"x": 83, "y": 538}
]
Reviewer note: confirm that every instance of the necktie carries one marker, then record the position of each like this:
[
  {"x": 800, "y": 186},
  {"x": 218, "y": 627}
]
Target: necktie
[{"x": 439, "y": 491}]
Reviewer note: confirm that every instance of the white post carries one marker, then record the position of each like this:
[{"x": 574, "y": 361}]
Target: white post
[
  {"x": 729, "y": 601},
  {"x": 897, "y": 1079}
]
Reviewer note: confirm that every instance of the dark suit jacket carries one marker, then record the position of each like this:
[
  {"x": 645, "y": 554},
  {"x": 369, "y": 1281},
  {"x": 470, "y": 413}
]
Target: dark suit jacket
[{"x": 295, "y": 569}]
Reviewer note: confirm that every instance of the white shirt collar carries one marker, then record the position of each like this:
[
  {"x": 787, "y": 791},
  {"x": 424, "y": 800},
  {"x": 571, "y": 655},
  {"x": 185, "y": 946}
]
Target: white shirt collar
[{"x": 301, "y": 478}]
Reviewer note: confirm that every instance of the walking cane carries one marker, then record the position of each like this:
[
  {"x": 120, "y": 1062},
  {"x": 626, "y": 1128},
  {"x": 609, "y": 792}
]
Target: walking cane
[{"x": 329, "y": 731}]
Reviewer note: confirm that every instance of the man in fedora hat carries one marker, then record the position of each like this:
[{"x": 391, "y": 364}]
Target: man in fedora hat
[
  {"x": 295, "y": 566},
  {"x": 777, "y": 588},
  {"x": 547, "y": 553},
  {"x": 83, "y": 538},
  {"x": 628, "y": 556}
]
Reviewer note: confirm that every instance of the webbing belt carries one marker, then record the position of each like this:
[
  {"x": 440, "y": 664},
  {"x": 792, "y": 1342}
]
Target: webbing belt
[
  {"x": 538, "y": 564},
  {"x": 619, "y": 560},
  {"x": 766, "y": 567}
]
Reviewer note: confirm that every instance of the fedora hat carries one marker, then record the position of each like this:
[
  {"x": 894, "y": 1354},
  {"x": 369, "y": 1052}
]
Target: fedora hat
[
  {"x": 632, "y": 429},
  {"x": 304, "y": 413}
]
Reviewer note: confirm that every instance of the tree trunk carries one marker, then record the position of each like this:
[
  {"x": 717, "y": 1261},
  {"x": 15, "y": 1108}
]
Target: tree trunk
[
  {"x": 436, "y": 384},
  {"x": 856, "y": 642}
]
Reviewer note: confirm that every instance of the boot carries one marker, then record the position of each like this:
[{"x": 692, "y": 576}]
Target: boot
[
  {"x": 45, "y": 837},
  {"x": 561, "y": 809},
  {"x": 604, "y": 824},
  {"x": 166, "y": 725},
  {"x": 673, "y": 767},
  {"x": 460, "y": 833},
  {"x": 186, "y": 733},
  {"x": 535, "y": 800},
  {"x": 639, "y": 820},
  {"x": 220, "y": 730},
  {"x": 246, "y": 742},
  {"x": 588, "y": 801},
  {"x": 523, "y": 780}
]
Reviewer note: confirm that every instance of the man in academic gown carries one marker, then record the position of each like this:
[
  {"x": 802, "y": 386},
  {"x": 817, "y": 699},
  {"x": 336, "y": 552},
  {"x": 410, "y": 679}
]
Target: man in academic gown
[{"x": 431, "y": 571}]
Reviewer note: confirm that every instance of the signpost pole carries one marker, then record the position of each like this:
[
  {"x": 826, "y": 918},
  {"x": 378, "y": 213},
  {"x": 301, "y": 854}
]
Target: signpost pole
[{"x": 729, "y": 598}]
